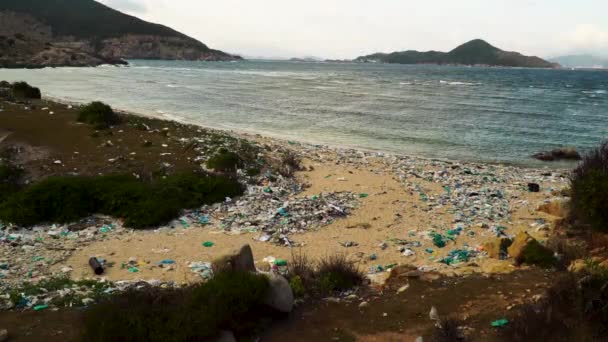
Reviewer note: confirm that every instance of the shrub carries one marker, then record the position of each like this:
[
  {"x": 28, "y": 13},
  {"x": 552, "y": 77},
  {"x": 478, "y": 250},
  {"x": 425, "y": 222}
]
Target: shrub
[
  {"x": 288, "y": 163},
  {"x": 332, "y": 274},
  {"x": 141, "y": 204},
  {"x": 224, "y": 161},
  {"x": 448, "y": 331},
  {"x": 10, "y": 177},
  {"x": 589, "y": 184},
  {"x": 536, "y": 254},
  {"x": 229, "y": 301},
  {"x": 98, "y": 114},
  {"x": 22, "y": 90}
]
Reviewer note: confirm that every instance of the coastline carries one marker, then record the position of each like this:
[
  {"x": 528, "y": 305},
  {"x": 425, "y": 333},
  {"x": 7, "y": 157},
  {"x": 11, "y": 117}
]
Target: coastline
[
  {"x": 395, "y": 204},
  {"x": 251, "y": 134}
]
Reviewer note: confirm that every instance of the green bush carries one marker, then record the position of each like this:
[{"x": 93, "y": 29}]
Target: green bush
[
  {"x": 224, "y": 161},
  {"x": 536, "y": 254},
  {"x": 141, "y": 204},
  {"x": 98, "y": 114},
  {"x": 10, "y": 177},
  {"x": 589, "y": 184},
  {"x": 22, "y": 90},
  {"x": 230, "y": 301}
]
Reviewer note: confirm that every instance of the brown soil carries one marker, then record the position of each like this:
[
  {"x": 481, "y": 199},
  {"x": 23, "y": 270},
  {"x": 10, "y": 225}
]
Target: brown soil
[
  {"x": 475, "y": 300},
  {"x": 56, "y": 144}
]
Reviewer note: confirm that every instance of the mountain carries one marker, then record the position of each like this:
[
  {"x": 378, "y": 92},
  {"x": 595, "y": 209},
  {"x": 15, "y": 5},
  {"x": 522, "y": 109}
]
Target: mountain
[
  {"x": 475, "y": 52},
  {"x": 38, "y": 33},
  {"x": 581, "y": 61}
]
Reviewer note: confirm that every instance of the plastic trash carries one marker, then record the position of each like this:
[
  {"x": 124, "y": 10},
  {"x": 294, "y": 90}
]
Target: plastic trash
[
  {"x": 363, "y": 195},
  {"x": 533, "y": 187},
  {"x": 204, "y": 219},
  {"x": 500, "y": 323},
  {"x": 167, "y": 262},
  {"x": 208, "y": 244},
  {"x": 40, "y": 307},
  {"x": 133, "y": 270},
  {"x": 96, "y": 266},
  {"x": 280, "y": 262},
  {"x": 373, "y": 257}
]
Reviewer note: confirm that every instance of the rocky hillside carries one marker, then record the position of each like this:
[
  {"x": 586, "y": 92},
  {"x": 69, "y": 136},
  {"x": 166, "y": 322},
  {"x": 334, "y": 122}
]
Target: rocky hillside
[
  {"x": 475, "y": 52},
  {"x": 40, "y": 33}
]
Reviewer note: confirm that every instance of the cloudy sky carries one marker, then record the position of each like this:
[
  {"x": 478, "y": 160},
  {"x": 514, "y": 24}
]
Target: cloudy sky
[{"x": 350, "y": 28}]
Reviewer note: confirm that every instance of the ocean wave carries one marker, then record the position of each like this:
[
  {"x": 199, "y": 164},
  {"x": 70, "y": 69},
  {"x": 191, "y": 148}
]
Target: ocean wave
[
  {"x": 173, "y": 86},
  {"x": 458, "y": 83},
  {"x": 405, "y": 83}
]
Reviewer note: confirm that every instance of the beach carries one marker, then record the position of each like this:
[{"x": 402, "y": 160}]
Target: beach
[{"x": 392, "y": 204}]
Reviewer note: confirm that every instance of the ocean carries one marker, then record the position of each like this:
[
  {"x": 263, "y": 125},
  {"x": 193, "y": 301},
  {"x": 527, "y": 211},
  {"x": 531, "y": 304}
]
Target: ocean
[{"x": 499, "y": 115}]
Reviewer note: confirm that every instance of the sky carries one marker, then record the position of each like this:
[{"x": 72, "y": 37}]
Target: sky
[{"x": 345, "y": 29}]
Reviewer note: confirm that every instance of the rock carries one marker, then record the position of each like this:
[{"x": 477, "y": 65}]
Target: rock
[
  {"x": 379, "y": 279},
  {"x": 497, "y": 248},
  {"x": 403, "y": 288},
  {"x": 3, "y": 335},
  {"x": 526, "y": 249},
  {"x": 564, "y": 153},
  {"x": 577, "y": 266},
  {"x": 241, "y": 260},
  {"x": 363, "y": 305},
  {"x": 555, "y": 208},
  {"x": 433, "y": 314},
  {"x": 533, "y": 187},
  {"x": 226, "y": 336},
  {"x": 280, "y": 296}
]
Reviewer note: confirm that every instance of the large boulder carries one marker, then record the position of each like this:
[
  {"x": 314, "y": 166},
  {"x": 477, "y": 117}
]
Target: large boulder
[
  {"x": 497, "y": 248},
  {"x": 239, "y": 260},
  {"x": 526, "y": 249},
  {"x": 280, "y": 296}
]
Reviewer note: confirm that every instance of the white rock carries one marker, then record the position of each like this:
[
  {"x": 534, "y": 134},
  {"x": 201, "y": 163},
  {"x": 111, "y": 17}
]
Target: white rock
[
  {"x": 363, "y": 305},
  {"x": 280, "y": 296}
]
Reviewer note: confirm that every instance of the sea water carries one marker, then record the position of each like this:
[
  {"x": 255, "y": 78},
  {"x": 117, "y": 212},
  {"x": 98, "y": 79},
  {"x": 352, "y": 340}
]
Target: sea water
[{"x": 460, "y": 113}]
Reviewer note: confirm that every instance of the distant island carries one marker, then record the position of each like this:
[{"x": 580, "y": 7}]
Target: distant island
[
  {"x": 581, "y": 61},
  {"x": 53, "y": 33},
  {"x": 475, "y": 52}
]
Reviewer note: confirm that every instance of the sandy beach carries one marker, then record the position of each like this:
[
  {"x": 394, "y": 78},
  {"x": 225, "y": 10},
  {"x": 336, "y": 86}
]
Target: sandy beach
[{"x": 398, "y": 203}]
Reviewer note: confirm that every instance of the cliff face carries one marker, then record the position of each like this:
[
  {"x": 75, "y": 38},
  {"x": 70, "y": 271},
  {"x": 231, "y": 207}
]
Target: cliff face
[
  {"x": 158, "y": 47},
  {"x": 40, "y": 33},
  {"x": 26, "y": 42}
]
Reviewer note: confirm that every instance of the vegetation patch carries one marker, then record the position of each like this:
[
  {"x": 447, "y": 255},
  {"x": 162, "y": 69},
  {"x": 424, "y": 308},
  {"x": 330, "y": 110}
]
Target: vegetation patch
[
  {"x": 142, "y": 204},
  {"x": 98, "y": 114},
  {"x": 230, "y": 301},
  {"x": 327, "y": 276},
  {"x": 22, "y": 90},
  {"x": 536, "y": 254},
  {"x": 225, "y": 161},
  {"x": 589, "y": 184}
]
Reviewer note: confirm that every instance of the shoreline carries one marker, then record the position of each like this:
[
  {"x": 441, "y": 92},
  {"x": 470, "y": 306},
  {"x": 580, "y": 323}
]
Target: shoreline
[
  {"x": 390, "y": 199},
  {"x": 285, "y": 140}
]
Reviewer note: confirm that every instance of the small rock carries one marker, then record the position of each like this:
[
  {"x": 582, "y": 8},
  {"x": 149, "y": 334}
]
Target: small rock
[
  {"x": 3, "y": 335},
  {"x": 403, "y": 288},
  {"x": 87, "y": 301},
  {"x": 280, "y": 296},
  {"x": 226, "y": 336},
  {"x": 363, "y": 305}
]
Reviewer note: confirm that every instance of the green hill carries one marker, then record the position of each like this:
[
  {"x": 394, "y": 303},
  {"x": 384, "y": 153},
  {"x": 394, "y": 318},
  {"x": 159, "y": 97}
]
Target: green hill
[
  {"x": 50, "y": 32},
  {"x": 475, "y": 52}
]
